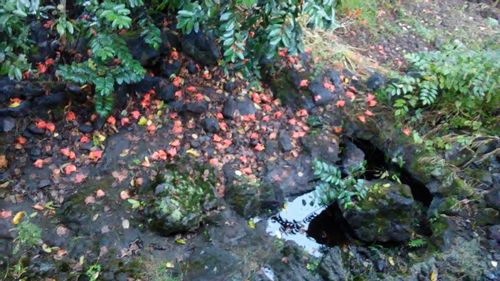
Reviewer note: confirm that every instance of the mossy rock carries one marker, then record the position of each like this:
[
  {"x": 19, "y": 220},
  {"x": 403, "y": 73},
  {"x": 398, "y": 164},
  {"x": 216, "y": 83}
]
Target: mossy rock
[
  {"x": 181, "y": 202},
  {"x": 250, "y": 200},
  {"x": 387, "y": 214}
]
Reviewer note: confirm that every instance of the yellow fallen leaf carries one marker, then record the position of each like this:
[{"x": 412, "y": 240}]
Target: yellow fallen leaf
[
  {"x": 180, "y": 241},
  {"x": 193, "y": 152},
  {"x": 18, "y": 217},
  {"x": 169, "y": 264},
  {"x": 251, "y": 224},
  {"x": 3, "y": 162},
  {"x": 391, "y": 261},
  {"x": 434, "y": 275},
  {"x": 143, "y": 121}
]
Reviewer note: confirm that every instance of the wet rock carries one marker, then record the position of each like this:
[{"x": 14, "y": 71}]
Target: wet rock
[
  {"x": 241, "y": 106},
  {"x": 169, "y": 69},
  {"x": 166, "y": 93},
  {"x": 458, "y": 155},
  {"x": 180, "y": 203},
  {"x": 178, "y": 106},
  {"x": 212, "y": 263},
  {"x": 210, "y": 125},
  {"x": 322, "y": 147},
  {"x": 197, "y": 107},
  {"x": 86, "y": 128},
  {"x": 148, "y": 83},
  {"x": 143, "y": 52},
  {"x": 35, "y": 130},
  {"x": 50, "y": 101},
  {"x": 492, "y": 198},
  {"x": 331, "y": 267},
  {"x": 22, "y": 110},
  {"x": 321, "y": 95},
  {"x": 7, "y": 124},
  {"x": 229, "y": 87},
  {"x": 201, "y": 47},
  {"x": 352, "y": 157},
  {"x": 375, "y": 82},
  {"x": 292, "y": 178},
  {"x": 285, "y": 141},
  {"x": 191, "y": 67},
  {"x": 251, "y": 199},
  {"x": 387, "y": 214}
]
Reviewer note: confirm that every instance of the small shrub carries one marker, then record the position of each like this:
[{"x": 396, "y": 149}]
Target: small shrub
[
  {"x": 333, "y": 187},
  {"x": 466, "y": 78}
]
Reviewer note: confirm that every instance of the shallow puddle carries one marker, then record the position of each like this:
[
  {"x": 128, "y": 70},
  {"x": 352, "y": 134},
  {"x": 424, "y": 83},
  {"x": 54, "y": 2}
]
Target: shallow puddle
[{"x": 292, "y": 222}]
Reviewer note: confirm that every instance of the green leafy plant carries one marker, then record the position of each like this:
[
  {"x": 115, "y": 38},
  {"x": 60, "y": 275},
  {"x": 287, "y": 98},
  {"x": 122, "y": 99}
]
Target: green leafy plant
[
  {"x": 458, "y": 75},
  {"x": 333, "y": 186},
  {"x": 29, "y": 235},
  {"x": 110, "y": 61},
  {"x": 15, "y": 36},
  {"x": 417, "y": 243},
  {"x": 93, "y": 272}
]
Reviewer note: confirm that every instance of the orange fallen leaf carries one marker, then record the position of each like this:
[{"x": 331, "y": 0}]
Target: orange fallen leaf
[
  {"x": 69, "y": 169},
  {"x": 302, "y": 113},
  {"x": 216, "y": 138},
  {"x": 124, "y": 121},
  {"x": 337, "y": 130},
  {"x": 95, "y": 155},
  {"x": 40, "y": 124},
  {"x": 79, "y": 178},
  {"x": 214, "y": 161},
  {"x": 38, "y": 207},
  {"x": 362, "y": 118},
  {"x": 175, "y": 143},
  {"x": 100, "y": 193},
  {"x": 124, "y": 195},
  {"x": 111, "y": 120},
  {"x": 172, "y": 152},
  {"x": 406, "y": 131},
  {"x": 135, "y": 114},
  {"x": 151, "y": 129},
  {"x": 5, "y": 214},
  {"x": 350, "y": 95},
  {"x": 89, "y": 200},
  {"x": 51, "y": 127},
  {"x": 70, "y": 116},
  {"x": 38, "y": 163},
  {"x": 21, "y": 140},
  {"x": 259, "y": 147},
  {"x": 368, "y": 113}
]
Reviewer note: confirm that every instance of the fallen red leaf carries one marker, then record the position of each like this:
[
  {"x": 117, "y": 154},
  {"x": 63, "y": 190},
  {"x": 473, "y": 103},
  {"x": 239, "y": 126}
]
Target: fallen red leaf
[
  {"x": 21, "y": 140},
  {"x": 368, "y": 113},
  {"x": 340, "y": 103},
  {"x": 216, "y": 138},
  {"x": 38, "y": 163},
  {"x": 40, "y": 124},
  {"x": 350, "y": 95},
  {"x": 329, "y": 86},
  {"x": 84, "y": 139},
  {"x": 135, "y": 114},
  {"x": 51, "y": 127},
  {"x": 362, "y": 118},
  {"x": 79, "y": 178},
  {"x": 42, "y": 68},
  {"x": 111, "y": 120},
  {"x": 5, "y": 214},
  {"x": 151, "y": 129},
  {"x": 172, "y": 152},
  {"x": 406, "y": 131},
  {"x": 124, "y": 121},
  {"x": 213, "y": 161},
  {"x": 259, "y": 147},
  {"x": 69, "y": 169},
  {"x": 100, "y": 193},
  {"x": 278, "y": 114},
  {"x": 70, "y": 116},
  {"x": 256, "y": 98},
  {"x": 304, "y": 83},
  {"x": 175, "y": 143},
  {"x": 95, "y": 155},
  {"x": 191, "y": 89}
]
